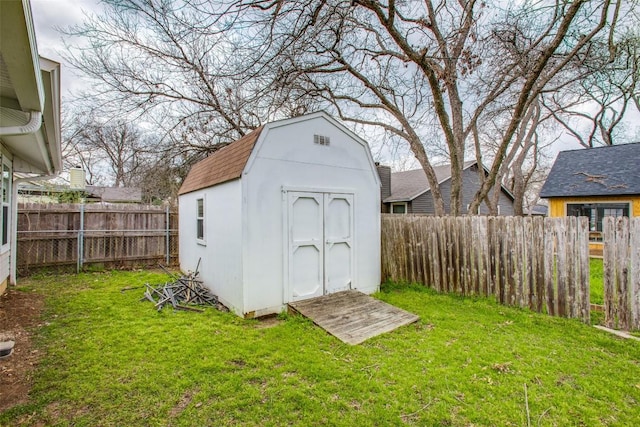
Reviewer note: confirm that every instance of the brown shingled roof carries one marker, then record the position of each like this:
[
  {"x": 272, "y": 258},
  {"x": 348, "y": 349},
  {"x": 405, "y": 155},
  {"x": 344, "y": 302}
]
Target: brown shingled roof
[{"x": 224, "y": 165}]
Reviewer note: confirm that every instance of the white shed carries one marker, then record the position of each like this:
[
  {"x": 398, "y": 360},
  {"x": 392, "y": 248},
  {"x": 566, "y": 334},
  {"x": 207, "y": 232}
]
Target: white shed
[{"x": 288, "y": 212}]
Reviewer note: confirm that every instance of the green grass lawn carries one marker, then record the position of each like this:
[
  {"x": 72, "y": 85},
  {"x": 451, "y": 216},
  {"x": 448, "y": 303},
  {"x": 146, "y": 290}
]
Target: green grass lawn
[
  {"x": 596, "y": 281},
  {"x": 112, "y": 360}
]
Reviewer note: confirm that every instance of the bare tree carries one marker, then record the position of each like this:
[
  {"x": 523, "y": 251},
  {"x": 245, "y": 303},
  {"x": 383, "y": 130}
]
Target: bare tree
[
  {"x": 430, "y": 73},
  {"x": 179, "y": 65},
  {"x": 588, "y": 100},
  {"x": 591, "y": 109},
  {"x": 522, "y": 163},
  {"x": 432, "y": 69},
  {"x": 74, "y": 152},
  {"x": 113, "y": 152},
  {"x": 161, "y": 179}
]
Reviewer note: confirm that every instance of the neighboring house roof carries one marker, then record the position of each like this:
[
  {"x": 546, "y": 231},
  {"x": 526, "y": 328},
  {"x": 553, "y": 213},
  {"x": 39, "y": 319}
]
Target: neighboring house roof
[
  {"x": 603, "y": 171},
  {"x": 407, "y": 185},
  {"x": 224, "y": 165},
  {"x": 540, "y": 210},
  {"x": 29, "y": 94},
  {"x": 115, "y": 194}
]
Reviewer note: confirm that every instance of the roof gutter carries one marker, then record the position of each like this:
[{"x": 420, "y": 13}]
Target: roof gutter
[{"x": 32, "y": 126}]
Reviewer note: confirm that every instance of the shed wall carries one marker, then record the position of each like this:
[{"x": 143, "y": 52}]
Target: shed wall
[
  {"x": 221, "y": 254},
  {"x": 289, "y": 159}
]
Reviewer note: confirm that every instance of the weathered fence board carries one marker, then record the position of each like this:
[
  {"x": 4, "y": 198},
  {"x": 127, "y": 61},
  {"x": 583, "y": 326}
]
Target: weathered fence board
[
  {"x": 622, "y": 272},
  {"x": 609, "y": 258},
  {"x": 524, "y": 262},
  {"x": 582, "y": 276},
  {"x": 58, "y": 235},
  {"x": 634, "y": 273}
]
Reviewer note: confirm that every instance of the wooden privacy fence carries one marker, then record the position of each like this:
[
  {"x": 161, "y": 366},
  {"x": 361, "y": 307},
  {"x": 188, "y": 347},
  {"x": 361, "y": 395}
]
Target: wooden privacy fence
[
  {"x": 622, "y": 272},
  {"x": 75, "y": 235},
  {"x": 541, "y": 264}
]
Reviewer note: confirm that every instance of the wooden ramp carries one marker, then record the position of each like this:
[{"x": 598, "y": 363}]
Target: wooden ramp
[{"x": 352, "y": 316}]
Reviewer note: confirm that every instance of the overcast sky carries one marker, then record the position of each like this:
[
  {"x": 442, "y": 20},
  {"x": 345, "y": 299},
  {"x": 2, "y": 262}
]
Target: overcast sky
[{"x": 51, "y": 14}]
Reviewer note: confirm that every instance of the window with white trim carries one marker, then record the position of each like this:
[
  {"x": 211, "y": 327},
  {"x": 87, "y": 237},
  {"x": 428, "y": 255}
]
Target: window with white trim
[
  {"x": 200, "y": 220},
  {"x": 399, "y": 208},
  {"x": 6, "y": 203}
]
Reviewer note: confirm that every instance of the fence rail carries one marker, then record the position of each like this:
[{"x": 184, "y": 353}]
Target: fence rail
[
  {"x": 74, "y": 235},
  {"x": 541, "y": 264}
]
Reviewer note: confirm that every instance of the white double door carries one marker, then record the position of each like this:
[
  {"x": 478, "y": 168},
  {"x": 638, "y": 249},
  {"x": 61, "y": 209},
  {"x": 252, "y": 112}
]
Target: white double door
[{"x": 320, "y": 243}]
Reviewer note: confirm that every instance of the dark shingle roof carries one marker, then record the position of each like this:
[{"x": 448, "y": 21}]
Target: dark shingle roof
[
  {"x": 115, "y": 194},
  {"x": 603, "y": 171},
  {"x": 224, "y": 165},
  {"x": 408, "y": 185},
  {"x": 538, "y": 210}
]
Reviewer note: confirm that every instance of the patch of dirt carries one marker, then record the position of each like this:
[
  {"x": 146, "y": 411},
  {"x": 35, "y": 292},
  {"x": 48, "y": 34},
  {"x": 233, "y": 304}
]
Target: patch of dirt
[
  {"x": 238, "y": 362},
  {"x": 19, "y": 316},
  {"x": 182, "y": 403},
  {"x": 268, "y": 321}
]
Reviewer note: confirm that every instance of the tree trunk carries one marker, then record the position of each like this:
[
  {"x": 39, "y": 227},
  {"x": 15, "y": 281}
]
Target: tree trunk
[{"x": 518, "y": 191}]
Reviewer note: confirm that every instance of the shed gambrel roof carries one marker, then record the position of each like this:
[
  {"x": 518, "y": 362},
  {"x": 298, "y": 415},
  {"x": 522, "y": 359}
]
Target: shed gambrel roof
[
  {"x": 229, "y": 162},
  {"x": 224, "y": 165},
  {"x": 603, "y": 171}
]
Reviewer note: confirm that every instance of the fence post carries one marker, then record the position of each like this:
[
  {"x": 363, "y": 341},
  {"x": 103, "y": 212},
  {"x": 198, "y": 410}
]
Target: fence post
[
  {"x": 634, "y": 271},
  {"x": 81, "y": 240},
  {"x": 168, "y": 244}
]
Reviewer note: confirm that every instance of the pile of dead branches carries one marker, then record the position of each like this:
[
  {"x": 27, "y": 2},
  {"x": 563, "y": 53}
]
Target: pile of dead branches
[{"x": 181, "y": 293}]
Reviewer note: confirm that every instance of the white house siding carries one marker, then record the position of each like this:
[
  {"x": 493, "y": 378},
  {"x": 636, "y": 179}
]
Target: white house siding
[
  {"x": 221, "y": 255},
  {"x": 4, "y": 269},
  {"x": 290, "y": 160},
  {"x": 7, "y": 251}
]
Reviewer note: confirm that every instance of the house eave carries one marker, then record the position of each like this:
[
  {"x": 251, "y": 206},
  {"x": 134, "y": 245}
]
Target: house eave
[
  {"x": 37, "y": 149},
  {"x": 392, "y": 199},
  {"x": 30, "y": 95},
  {"x": 589, "y": 196},
  {"x": 50, "y": 71},
  {"x": 17, "y": 34},
  {"x": 396, "y": 200}
]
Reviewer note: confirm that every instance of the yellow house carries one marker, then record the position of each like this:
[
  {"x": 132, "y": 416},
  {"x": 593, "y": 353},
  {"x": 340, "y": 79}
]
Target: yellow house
[{"x": 595, "y": 182}]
